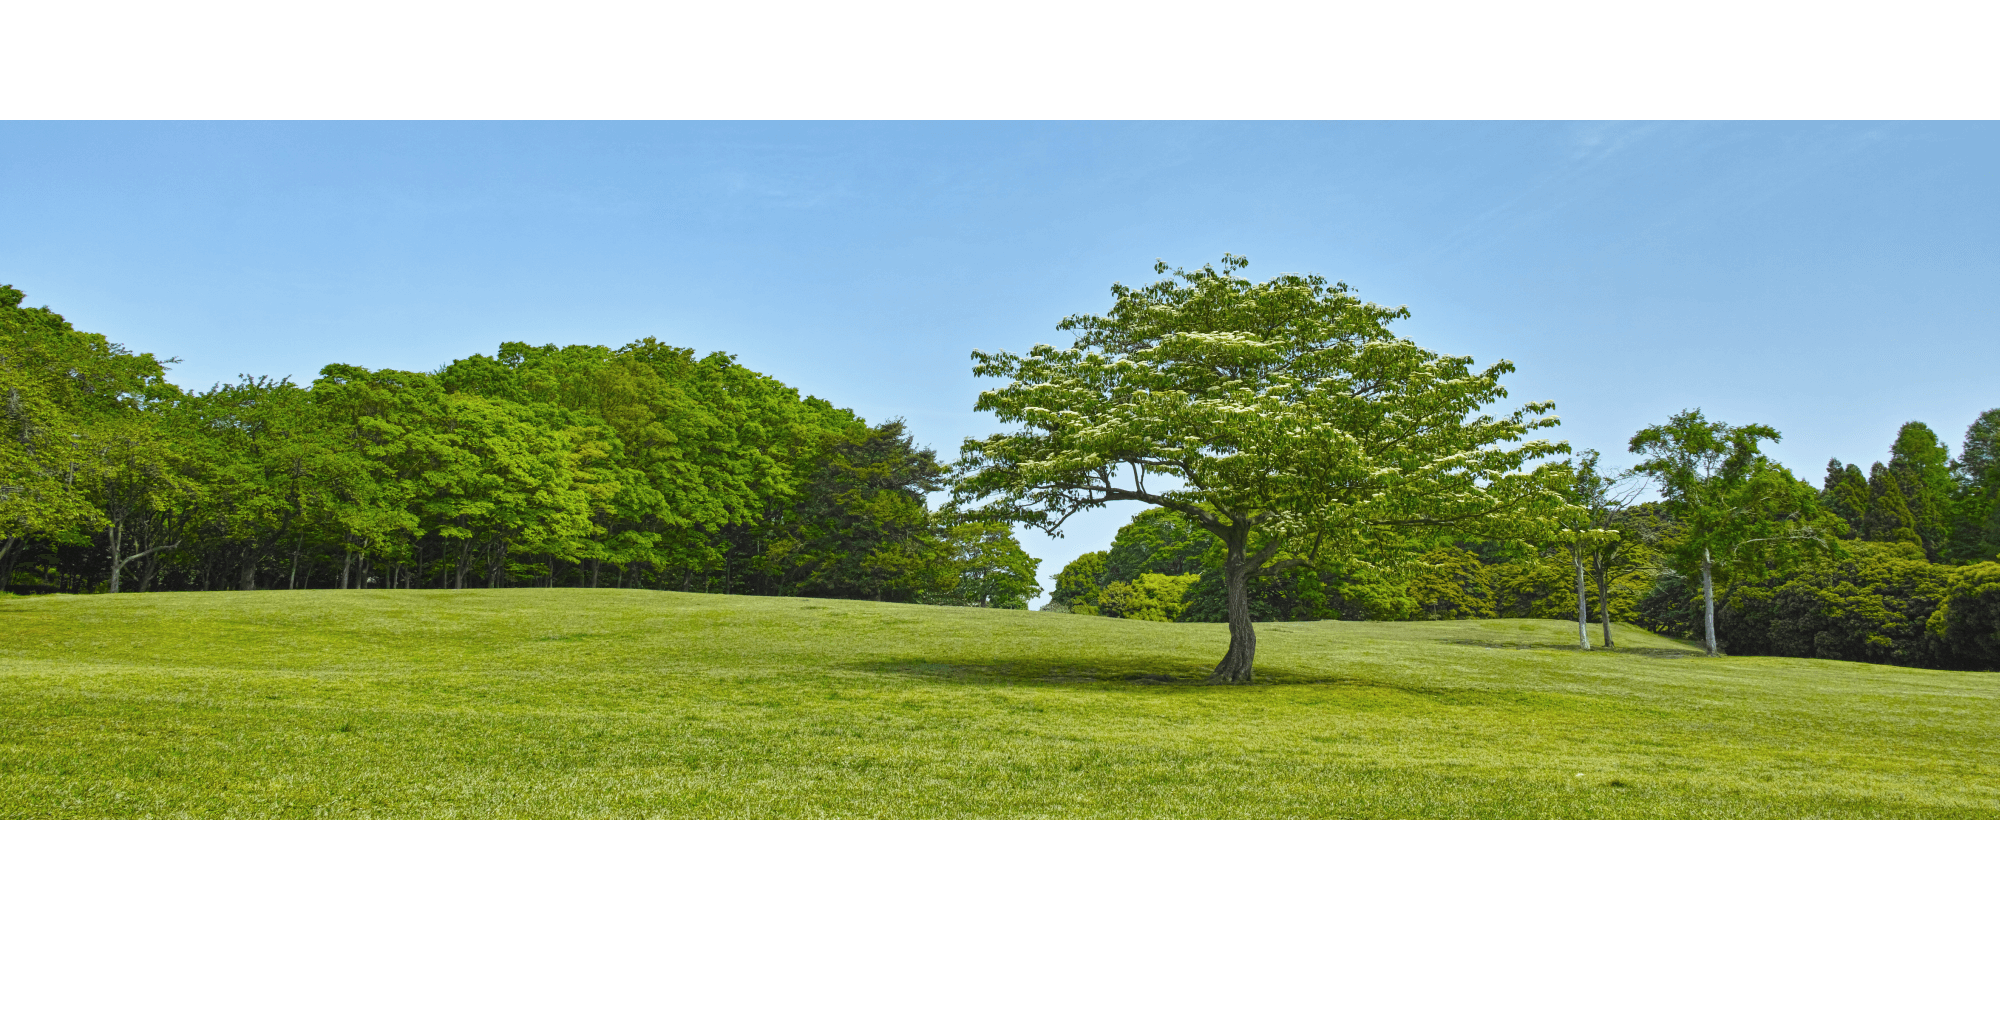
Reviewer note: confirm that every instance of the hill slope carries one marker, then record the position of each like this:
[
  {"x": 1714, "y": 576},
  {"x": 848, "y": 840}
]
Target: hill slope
[{"x": 607, "y": 703}]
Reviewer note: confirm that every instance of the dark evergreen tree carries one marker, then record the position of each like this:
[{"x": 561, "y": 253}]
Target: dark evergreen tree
[
  {"x": 1922, "y": 467},
  {"x": 1889, "y": 519},
  {"x": 866, "y": 528},
  {"x": 1975, "y": 530},
  {"x": 1846, "y": 494}
]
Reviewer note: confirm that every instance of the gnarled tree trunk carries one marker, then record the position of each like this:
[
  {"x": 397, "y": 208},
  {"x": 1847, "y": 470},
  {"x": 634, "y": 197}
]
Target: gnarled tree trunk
[{"x": 1238, "y": 665}]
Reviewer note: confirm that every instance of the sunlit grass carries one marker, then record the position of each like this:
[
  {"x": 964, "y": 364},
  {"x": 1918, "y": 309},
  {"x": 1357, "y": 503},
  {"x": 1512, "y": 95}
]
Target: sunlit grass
[{"x": 609, "y": 703}]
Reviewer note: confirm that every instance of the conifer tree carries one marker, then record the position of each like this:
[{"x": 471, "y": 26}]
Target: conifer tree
[
  {"x": 1846, "y": 495},
  {"x": 1975, "y": 531},
  {"x": 1922, "y": 467},
  {"x": 1889, "y": 519}
]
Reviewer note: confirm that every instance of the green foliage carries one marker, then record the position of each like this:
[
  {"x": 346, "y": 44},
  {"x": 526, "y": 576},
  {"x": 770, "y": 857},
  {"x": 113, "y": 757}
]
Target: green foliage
[
  {"x": 1738, "y": 513},
  {"x": 1285, "y": 418},
  {"x": 1873, "y": 602},
  {"x": 583, "y": 466},
  {"x": 1966, "y": 625},
  {"x": 1150, "y": 597},
  {"x": 1846, "y": 494},
  {"x": 1975, "y": 534},
  {"x": 1079, "y": 581},
  {"x": 991, "y": 568},
  {"x": 1452, "y": 583},
  {"x": 1889, "y": 519},
  {"x": 1158, "y": 540},
  {"x": 1922, "y": 466}
]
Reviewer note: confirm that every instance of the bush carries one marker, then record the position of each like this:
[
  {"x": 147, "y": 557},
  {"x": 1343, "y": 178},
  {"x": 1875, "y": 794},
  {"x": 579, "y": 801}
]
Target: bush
[
  {"x": 1881, "y": 602},
  {"x": 1152, "y": 597},
  {"x": 1967, "y": 625},
  {"x": 1353, "y": 593}
]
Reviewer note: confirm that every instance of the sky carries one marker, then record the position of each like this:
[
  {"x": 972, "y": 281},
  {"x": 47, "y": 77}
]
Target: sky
[{"x": 1834, "y": 280}]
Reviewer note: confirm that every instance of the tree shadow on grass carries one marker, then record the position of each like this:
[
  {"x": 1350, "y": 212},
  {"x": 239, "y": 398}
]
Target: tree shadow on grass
[
  {"x": 1642, "y": 652},
  {"x": 1110, "y": 674}
]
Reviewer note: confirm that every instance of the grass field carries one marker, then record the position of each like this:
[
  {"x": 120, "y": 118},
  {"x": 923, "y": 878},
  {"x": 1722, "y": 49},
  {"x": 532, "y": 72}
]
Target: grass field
[{"x": 612, "y": 703}]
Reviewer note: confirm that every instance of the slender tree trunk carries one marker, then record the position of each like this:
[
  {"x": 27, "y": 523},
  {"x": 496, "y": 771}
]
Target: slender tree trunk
[
  {"x": 596, "y": 564},
  {"x": 1582, "y": 604},
  {"x": 1603, "y": 600},
  {"x": 1239, "y": 664},
  {"x": 1707, "y": 602},
  {"x": 346, "y": 567},
  {"x": 249, "y": 581},
  {"x": 117, "y": 540}
]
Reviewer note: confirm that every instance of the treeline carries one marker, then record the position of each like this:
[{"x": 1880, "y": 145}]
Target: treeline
[
  {"x": 1896, "y": 565},
  {"x": 639, "y": 466}
]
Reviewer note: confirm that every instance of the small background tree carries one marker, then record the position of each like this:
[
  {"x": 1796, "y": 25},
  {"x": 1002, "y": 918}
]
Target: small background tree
[{"x": 1739, "y": 511}]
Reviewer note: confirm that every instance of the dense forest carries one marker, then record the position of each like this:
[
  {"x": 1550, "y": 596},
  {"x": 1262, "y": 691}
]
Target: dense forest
[{"x": 640, "y": 466}]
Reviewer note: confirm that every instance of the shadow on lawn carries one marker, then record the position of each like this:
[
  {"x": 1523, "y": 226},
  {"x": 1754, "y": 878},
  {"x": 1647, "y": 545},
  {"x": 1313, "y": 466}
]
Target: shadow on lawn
[
  {"x": 1104, "y": 675},
  {"x": 1643, "y": 652}
]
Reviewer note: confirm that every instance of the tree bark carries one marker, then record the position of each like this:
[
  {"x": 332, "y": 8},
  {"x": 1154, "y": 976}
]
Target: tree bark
[
  {"x": 1707, "y": 603},
  {"x": 1238, "y": 666},
  {"x": 118, "y": 563},
  {"x": 1582, "y": 604},
  {"x": 1603, "y": 600},
  {"x": 10, "y": 552},
  {"x": 117, "y": 540}
]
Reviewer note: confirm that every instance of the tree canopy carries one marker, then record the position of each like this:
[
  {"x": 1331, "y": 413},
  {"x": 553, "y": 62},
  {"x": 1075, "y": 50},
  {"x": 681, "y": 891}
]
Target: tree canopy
[{"x": 641, "y": 465}]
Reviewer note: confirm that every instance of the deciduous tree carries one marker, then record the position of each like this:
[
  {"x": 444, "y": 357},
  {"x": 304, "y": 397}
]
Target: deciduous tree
[
  {"x": 1739, "y": 512},
  {"x": 1285, "y": 417}
]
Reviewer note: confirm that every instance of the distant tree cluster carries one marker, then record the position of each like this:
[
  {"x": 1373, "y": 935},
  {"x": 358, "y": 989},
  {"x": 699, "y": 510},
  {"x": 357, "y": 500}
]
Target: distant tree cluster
[{"x": 639, "y": 466}]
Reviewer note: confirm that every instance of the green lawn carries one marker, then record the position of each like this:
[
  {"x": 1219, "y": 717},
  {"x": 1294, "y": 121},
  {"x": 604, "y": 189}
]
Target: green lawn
[{"x": 615, "y": 703}]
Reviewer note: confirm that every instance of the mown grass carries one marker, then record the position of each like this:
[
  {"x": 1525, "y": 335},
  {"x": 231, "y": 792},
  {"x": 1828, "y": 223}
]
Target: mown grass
[{"x": 609, "y": 703}]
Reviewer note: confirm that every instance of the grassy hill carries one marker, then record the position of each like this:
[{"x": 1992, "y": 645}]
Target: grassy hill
[{"x": 607, "y": 703}]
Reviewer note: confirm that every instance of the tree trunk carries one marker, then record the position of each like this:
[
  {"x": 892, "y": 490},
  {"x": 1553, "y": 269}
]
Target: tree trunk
[
  {"x": 1603, "y": 600},
  {"x": 1707, "y": 603},
  {"x": 1238, "y": 665},
  {"x": 596, "y": 564},
  {"x": 117, "y": 541},
  {"x": 249, "y": 581},
  {"x": 10, "y": 552},
  {"x": 1582, "y": 604},
  {"x": 345, "y": 568}
]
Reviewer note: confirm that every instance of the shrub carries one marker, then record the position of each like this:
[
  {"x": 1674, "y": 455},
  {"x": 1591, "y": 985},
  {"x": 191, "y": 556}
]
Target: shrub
[
  {"x": 1966, "y": 625},
  {"x": 1881, "y": 602},
  {"x": 1152, "y": 597}
]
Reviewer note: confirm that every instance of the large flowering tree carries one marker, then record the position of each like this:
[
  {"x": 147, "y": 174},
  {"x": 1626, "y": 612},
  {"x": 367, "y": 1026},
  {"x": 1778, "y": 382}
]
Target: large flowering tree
[{"x": 1284, "y": 417}]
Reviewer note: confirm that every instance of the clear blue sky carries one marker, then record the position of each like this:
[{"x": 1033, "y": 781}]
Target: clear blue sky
[{"x": 1834, "y": 280}]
